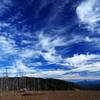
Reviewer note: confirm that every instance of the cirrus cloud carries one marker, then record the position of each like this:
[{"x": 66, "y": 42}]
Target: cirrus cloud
[{"x": 88, "y": 13}]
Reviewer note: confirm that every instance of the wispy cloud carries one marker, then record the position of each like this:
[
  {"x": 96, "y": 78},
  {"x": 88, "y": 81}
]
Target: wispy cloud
[
  {"x": 88, "y": 14},
  {"x": 7, "y": 45},
  {"x": 3, "y": 24},
  {"x": 77, "y": 76},
  {"x": 43, "y": 45},
  {"x": 21, "y": 67},
  {"x": 4, "y": 6},
  {"x": 47, "y": 44},
  {"x": 29, "y": 53},
  {"x": 49, "y": 73}
]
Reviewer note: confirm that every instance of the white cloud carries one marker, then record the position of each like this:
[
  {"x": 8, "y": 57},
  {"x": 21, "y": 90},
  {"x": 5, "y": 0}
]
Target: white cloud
[
  {"x": 37, "y": 64},
  {"x": 49, "y": 73},
  {"x": 47, "y": 42},
  {"x": 84, "y": 62},
  {"x": 20, "y": 66},
  {"x": 69, "y": 76},
  {"x": 20, "y": 69},
  {"x": 88, "y": 39},
  {"x": 28, "y": 53},
  {"x": 77, "y": 76},
  {"x": 7, "y": 46},
  {"x": 52, "y": 58},
  {"x": 88, "y": 13},
  {"x": 82, "y": 58},
  {"x": 94, "y": 41},
  {"x": 45, "y": 46}
]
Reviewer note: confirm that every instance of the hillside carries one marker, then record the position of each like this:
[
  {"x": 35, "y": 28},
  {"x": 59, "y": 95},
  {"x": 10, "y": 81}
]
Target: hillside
[{"x": 18, "y": 83}]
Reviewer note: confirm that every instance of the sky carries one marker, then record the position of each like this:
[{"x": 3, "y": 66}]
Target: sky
[{"x": 50, "y": 38}]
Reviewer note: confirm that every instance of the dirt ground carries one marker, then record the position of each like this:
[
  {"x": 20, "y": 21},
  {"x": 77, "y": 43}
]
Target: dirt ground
[{"x": 51, "y": 95}]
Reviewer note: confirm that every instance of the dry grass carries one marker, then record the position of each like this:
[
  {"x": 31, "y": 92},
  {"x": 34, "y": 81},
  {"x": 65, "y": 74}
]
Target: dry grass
[{"x": 51, "y": 95}]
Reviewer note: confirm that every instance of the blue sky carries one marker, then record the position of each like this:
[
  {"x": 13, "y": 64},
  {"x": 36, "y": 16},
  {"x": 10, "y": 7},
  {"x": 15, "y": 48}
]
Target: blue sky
[{"x": 50, "y": 38}]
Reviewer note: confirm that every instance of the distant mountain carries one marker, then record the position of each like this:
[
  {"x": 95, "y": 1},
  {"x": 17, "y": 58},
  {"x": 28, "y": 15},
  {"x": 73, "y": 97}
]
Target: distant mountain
[
  {"x": 28, "y": 83},
  {"x": 89, "y": 84}
]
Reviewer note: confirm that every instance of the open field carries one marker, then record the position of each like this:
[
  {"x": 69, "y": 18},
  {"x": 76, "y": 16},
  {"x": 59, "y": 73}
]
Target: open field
[{"x": 51, "y": 95}]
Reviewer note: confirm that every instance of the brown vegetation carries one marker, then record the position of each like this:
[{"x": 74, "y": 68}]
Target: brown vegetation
[{"x": 51, "y": 95}]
